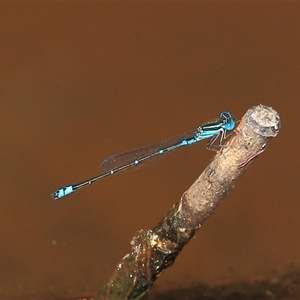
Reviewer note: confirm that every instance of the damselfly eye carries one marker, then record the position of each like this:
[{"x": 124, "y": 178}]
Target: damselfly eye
[{"x": 229, "y": 122}]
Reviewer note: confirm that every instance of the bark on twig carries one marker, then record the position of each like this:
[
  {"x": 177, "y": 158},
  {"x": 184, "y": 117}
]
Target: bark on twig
[{"x": 155, "y": 250}]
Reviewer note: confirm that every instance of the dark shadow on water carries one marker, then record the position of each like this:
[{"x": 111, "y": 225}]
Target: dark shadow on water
[{"x": 277, "y": 286}]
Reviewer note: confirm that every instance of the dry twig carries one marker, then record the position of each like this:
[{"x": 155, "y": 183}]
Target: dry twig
[{"x": 155, "y": 250}]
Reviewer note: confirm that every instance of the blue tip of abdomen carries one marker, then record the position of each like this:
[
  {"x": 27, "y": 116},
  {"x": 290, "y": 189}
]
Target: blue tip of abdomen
[{"x": 63, "y": 192}]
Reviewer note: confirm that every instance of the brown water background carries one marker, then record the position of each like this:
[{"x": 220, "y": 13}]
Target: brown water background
[{"x": 82, "y": 81}]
